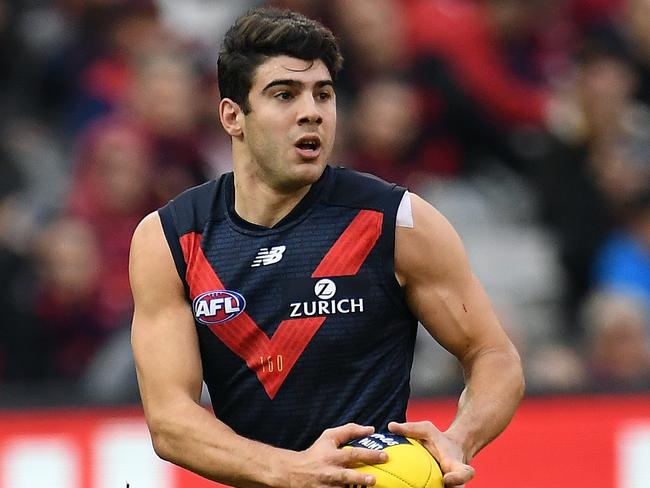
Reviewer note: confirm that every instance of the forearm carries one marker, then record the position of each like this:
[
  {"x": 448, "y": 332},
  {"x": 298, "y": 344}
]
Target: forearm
[
  {"x": 191, "y": 437},
  {"x": 494, "y": 388}
]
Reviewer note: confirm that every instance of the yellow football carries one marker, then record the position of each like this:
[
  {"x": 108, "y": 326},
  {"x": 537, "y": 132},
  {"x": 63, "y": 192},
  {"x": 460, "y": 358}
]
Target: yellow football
[{"x": 409, "y": 464}]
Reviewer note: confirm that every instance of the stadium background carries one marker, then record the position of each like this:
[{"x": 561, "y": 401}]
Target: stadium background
[{"x": 527, "y": 123}]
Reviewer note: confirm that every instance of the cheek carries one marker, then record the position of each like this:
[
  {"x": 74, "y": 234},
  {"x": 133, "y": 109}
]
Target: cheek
[
  {"x": 264, "y": 140},
  {"x": 329, "y": 121},
  {"x": 330, "y": 113}
]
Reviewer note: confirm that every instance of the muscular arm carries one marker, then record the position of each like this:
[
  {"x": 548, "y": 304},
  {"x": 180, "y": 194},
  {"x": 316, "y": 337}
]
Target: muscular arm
[
  {"x": 449, "y": 301},
  {"x": 168, "y": 364}
]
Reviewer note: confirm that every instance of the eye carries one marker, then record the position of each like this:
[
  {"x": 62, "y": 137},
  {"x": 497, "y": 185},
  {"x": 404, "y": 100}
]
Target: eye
[
  {"x": 283, "y": 95},
  {"x": 324, "y": 96}
]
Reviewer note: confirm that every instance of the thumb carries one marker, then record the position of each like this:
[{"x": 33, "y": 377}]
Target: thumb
[
  {"x": 459, "y": 475},
  {"x": 418, "y": 430},
  {"x": 344, "y": 433}
]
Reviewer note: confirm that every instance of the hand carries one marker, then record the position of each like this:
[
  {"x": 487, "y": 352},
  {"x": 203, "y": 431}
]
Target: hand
[
  {"x": 324, "y": 464},
  {"x": 445, "y": 450}
]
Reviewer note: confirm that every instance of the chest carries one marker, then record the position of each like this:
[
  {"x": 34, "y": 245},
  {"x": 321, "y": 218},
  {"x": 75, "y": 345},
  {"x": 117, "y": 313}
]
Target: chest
[{"x": 330, "y": 265}]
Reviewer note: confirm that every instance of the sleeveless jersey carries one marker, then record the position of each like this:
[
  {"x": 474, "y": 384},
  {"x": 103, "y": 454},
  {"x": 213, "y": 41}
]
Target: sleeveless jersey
[{"x": 301, "y": 326}]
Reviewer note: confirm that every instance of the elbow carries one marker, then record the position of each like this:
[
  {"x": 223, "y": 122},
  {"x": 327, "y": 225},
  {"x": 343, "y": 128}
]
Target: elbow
[
  {"x": 519, "y": 378},
  {"x": 161, "y": 447},
  {"x": 160, "y": 431},
  {"x": 522, "y": 386}
]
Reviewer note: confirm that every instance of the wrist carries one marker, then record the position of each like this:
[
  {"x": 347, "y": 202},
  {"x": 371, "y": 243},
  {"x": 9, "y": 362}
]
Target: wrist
[
  {"x": 279, "y": 472},
  {"x": 462, "y": 441}
]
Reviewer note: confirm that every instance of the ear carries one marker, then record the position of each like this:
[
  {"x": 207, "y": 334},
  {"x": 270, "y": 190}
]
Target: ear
[{"x": 231, "y": 115}]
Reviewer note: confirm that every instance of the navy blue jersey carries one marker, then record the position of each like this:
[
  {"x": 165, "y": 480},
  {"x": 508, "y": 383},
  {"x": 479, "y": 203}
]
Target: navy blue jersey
[{"x": 301, "y": 326}]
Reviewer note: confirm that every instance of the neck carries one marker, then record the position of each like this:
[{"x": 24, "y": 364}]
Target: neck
[{"x": 259, "y": 203}]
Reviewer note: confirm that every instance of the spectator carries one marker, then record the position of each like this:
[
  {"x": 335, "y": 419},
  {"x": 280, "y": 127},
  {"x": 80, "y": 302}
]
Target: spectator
[
  {"x": 311, "y": 8},
  {"x": 623, "y": 263},
  {"x": 433, "y": 89},
  {"x": 18, "y": 333},
  {"x": 163, "y": 111},
  {"x": 384, "y": 128},
  {"x": 555, "y": 368},
  {"x": 617, "y": 342},
  {"x": 71, "y": 323},
  {"x": 99, "y": 61},
  {"x": 200, "y": 24},
  {"x": 474, "y": 40},
  {"x": 10, "y": 49},
  {"x": 82, "y": 68},
  {"x": 372, "y": 35},
  {"x": 113, "y": 189},
  {"x": 483, "y": 73},
  {"x": 590, "y": 14},
  {"x": 164, "y": 103},
  {"x": 587, "y": 170},
  {"x": 637, "y": 26}
]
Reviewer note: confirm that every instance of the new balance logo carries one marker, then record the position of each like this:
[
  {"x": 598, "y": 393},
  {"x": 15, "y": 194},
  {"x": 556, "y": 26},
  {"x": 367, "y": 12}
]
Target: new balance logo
[{"x": 268, "y": 256}]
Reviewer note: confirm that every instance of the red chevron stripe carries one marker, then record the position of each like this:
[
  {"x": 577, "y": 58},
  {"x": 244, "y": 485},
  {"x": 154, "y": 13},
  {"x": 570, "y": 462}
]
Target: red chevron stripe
[
  {"x": 244, "y": 337},
  {"x": 241, "y": 334},
  {"x": 353, "y": 246}
]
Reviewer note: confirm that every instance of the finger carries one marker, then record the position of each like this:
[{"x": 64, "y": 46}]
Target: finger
[
  {"x": 418, "y": 430},
  {"x": 352, "y": 477},
  {"x": 359, "y": 455},
  {"x": 344, "y": 433},
  {"x": 459, "y": 476}
]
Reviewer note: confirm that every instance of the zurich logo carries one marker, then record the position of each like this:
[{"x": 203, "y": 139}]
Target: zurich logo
[
  {"x": 325, "y": 289},
  {"x": 218, "y": 306}
]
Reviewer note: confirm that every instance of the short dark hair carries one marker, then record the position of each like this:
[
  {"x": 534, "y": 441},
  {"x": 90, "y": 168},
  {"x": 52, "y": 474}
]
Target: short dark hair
[{"x": 266, "y": 32}]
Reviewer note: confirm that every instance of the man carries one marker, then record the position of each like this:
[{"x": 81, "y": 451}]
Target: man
[{"x": 293, "y": 289}]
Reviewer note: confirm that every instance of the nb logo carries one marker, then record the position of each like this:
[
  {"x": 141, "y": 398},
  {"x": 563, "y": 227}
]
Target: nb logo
[{"x": 268, "y": 256}]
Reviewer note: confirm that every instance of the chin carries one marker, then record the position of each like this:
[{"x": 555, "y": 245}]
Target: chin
[
  {"x": 312, "y": 170},
  {"x": 304, "y": 174}
]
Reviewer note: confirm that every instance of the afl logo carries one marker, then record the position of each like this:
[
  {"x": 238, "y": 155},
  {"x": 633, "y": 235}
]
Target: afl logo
[{"x": 218, "y": 306}]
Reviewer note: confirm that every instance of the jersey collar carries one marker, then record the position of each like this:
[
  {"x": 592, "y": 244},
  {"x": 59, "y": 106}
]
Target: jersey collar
[{"x": 297, "y": 213}]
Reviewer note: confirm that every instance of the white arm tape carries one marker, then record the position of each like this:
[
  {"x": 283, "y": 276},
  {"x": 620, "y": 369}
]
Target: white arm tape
[{"x": 404, "y": 212}]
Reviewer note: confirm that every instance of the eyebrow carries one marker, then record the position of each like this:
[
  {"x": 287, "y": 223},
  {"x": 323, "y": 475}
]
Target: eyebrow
[{"x": 296, "y": 84}]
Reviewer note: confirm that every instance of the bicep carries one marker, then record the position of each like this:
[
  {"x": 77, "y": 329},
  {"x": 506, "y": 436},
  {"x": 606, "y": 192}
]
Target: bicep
[
  {"x": 163, "y": 335},
  {"x": 440, "y": 288}
]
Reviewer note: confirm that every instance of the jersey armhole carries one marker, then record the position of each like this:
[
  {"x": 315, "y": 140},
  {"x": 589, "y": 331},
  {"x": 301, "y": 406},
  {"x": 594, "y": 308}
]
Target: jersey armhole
[
  {"x": 172, "y": 238},
  {"x": 401, "y": 216}
]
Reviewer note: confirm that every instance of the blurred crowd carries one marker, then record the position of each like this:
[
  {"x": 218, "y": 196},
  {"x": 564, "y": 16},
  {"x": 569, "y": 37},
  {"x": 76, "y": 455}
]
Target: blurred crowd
[{"x": 526, "y": 122}]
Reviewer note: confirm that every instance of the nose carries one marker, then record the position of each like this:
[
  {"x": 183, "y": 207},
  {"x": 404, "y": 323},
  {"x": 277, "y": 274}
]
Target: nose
[{"x": 309, "y": 112}]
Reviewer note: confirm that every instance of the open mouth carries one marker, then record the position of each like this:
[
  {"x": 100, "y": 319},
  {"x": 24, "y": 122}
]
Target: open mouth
[{"x": 308, "y": 144}]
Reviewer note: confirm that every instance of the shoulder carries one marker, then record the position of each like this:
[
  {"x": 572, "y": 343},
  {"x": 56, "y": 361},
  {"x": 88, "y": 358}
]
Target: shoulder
[
  {"x": 192, "y": 207},
  {"x": 428, "y": 223},
  {"x": 200, "y": 193},
  {"x": 355, "y": 189},
  {"x": 147, "y": 235},
  {"x": 151, "y": 265},
  {"x": 429, "y": 249}
]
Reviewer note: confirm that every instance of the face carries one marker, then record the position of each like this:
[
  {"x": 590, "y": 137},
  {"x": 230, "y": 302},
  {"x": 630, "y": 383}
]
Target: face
[
  {"x": 624, "y": 349},
  {"x": 373, "y": 29},
  {"x": 69, "y": 259},
  {"x": 515, "y": 19},
  {"x": 165, "y": 97},
  {"x": 124, "y": 171},
  {"x": 386, "y": 118},
  {"x": 288, "y": 135},
  {"x": 638, "y": 21}
]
